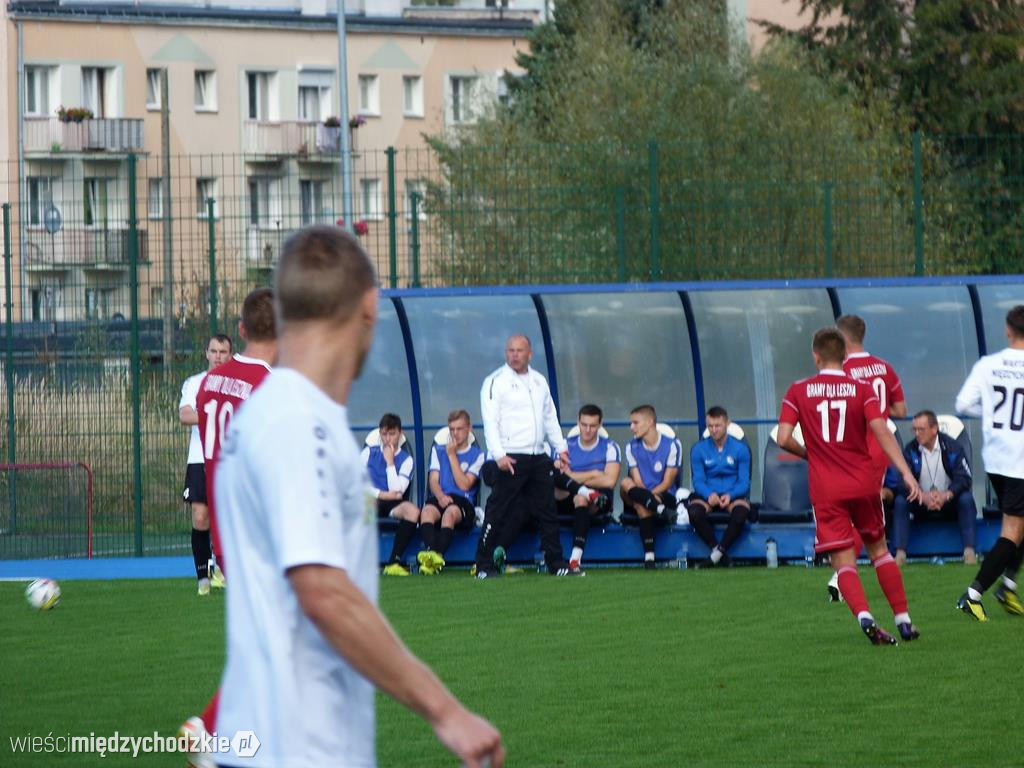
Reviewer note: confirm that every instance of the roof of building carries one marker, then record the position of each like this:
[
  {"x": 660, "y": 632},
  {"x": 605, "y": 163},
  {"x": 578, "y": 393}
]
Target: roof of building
[{"x": 493, "y": 23}]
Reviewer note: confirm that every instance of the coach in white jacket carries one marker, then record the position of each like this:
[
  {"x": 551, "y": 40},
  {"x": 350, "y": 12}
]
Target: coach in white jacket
[{"x": 519, "y": 416}]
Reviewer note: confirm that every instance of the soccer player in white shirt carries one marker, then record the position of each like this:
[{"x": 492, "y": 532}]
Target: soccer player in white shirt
[
  {"x": 218, "y": 350},
  {"x": 306, "y": 643},
  {"x": 994, "y": 390}
]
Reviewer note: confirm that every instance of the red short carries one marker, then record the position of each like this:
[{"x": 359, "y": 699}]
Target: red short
[{"x": 835, "y": 522}]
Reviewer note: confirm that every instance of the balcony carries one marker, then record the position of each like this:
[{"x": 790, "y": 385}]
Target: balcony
[
  {"x": 79, "y": 248},
  {"x": 52, "y": 135},
  {"x": 291, "y": 138}
]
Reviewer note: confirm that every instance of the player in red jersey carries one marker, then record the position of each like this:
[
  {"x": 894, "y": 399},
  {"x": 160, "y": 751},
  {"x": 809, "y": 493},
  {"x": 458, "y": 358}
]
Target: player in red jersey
[
  {"x": 836, "y": 413},
  {"x": 230, "y": 384},
  {"x": 221, "y": 393}
]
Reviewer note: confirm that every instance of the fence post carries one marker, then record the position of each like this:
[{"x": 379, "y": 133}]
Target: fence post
[
  {"x": 392, "y": 222},
  {"x": 620, "y": 230},
  {"x": 918, "y": 208},
  {"x": 414, "y": 239},
  {"x": 136, "y": 371},
  {"x": 827, "y": 188},
  {"x": 652, "y": 169},
  {"x": 211, "y": 228},
  {"x": 12, "y": 454}
]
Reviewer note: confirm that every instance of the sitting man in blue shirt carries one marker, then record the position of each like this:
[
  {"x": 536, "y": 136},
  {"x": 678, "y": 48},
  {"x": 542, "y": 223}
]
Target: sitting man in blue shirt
[
  {"x": 721, "y": 481},
  {"x": 944, "y": 472},
  {"x": 650, "y": 488},
  {"x": 389, "y": 466}
]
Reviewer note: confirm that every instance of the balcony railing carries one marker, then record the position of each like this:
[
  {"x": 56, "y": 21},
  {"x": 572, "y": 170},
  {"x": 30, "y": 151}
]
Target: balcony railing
[
  {"x": 79, "y": 247},
  {"x": 50, "y": 134},
  {"x": 290, "y": 138},
  {"x": 264, "y": 245}
]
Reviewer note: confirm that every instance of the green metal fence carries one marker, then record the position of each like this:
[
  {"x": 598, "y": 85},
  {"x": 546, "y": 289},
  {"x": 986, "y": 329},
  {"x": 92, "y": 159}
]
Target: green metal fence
[{"x": 117, "y": 268}]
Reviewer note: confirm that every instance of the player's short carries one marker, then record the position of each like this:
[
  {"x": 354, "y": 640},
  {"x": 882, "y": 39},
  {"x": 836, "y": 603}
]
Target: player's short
[
  {"x": 465, "y": 506},
  {"x": 386, "y": 507},
  {"x": 836, "y": 521},
  {"x": 195, "y": 484},
  {"x": 567, "y": 507},
  {"x": 696, "y": 497},
  {"x": 668, "y": 498},
  {"x": 1010, "y": 492}
]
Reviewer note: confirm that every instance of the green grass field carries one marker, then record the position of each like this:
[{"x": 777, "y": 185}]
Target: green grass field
[{"x": 744, "y": 666}]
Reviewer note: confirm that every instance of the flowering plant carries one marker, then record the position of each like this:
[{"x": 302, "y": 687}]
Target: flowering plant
[
  {"x": 74, "y": 114},
  {"x": 332, "y": 122},
  {"x": 362, "y": 227},
  {"x": 356, "y": 121}
]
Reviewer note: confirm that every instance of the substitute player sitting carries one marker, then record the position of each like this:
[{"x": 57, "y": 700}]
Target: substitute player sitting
[
  {"x": 835, "y": 413},
  {"x": 721, "y": 482},
  {"x": 650, "y": 489},
  {"x": 389, "y": 466},
  {"x": 584, "y": 486},
  {"x": 453, "y": 481}
]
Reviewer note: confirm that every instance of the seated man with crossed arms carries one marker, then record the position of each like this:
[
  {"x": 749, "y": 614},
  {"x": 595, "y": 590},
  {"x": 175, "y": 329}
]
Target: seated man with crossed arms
[
  {"x": 453, "y": 482},
  {"x": 721, "y": 481}
]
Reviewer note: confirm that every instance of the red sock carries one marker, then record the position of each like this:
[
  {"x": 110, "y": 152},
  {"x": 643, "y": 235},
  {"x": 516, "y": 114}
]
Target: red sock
[
  {"x": 852, "y": 589},
  {"x": 858, "y": 543},
  {"x": 891, "y": 581},
  {"x": 210, "y": 713}
]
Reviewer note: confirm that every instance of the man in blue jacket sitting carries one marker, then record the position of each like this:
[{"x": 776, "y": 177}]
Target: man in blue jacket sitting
[
  {"x": 944, "y": 472},
  {"x": 721, "y": 481}
]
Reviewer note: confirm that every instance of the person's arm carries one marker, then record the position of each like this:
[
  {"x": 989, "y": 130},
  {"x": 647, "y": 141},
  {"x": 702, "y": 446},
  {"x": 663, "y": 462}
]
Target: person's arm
[
  {"x": 463, "y": 480},
  {"x": 959, "y": 472},
  {"x": 666, "y": 480},
  {"x": 187, "y": 405},
  {"x": 609, "y": 478},
  {"x": 700, "y": 477},
  {"x": 365, "y": 458},
  {"x": 354, "y": 627},
  {"x": 400, "y": 477},
  {"x": 888, "y": 443},
  {"x": 434, "y": 483},
  {"x": 490, "y": 396},
  {"x": 552, "y": 429},
  {"x": 968, "y": 400},
  {"x": 741, "y": 485},
  {"x": 188, "y": 415},
  {"x": 784, "y": 437},
  {"x": 898, "y": 410}
]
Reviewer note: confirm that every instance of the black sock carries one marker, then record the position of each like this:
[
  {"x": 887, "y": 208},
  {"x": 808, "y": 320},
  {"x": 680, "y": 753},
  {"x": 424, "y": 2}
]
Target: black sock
[
  {"x": 565, "y": 483},
  {"x": 1002, "y": 553},
  {"x": 701, "y": 525},
  {"x": 580, "y": 526},
  {"x": 648, "y": 525},
  {"x": 428, "y": 532},
  {"x": 444, "y": 540},
  {"x": 406, "y": 528},
  {"x": 201, "y": 552},
  {"x": 1014, "y": 565},
  {"x": 644, "y": 498},
  {"x": 737, "y": 520}
]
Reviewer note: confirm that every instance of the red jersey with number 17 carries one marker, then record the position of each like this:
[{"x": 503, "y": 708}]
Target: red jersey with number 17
[
  {"x": 221, "y": 393},
  {"x": 833, "y": 411}
]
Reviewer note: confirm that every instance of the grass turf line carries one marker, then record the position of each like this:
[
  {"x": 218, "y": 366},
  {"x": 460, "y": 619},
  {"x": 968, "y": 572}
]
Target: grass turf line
[{"x": 742, "y": 666}]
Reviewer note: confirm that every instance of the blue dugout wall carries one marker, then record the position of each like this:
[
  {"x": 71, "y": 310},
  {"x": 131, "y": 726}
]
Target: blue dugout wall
[{"x": 680, "y": 346}]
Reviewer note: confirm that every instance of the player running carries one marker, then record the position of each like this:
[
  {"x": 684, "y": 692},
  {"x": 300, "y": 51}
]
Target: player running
[{"x": 836, "y": 413}]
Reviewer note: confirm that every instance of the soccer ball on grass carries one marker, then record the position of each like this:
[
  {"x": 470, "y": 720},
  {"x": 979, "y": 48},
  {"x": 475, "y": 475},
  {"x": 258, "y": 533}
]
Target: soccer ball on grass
[{"x": 43, "y": 594}]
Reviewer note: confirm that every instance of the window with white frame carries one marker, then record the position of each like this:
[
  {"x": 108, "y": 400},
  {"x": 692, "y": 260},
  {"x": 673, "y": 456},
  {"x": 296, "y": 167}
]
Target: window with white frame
[
  {"x": 412, "y": 95},
  {"x": 206, "y": 188},
  {"x": 265, "y": 202},
  {"x": 205, "y": 97},
  {"x": 369, "y": 95},
  {"x": 40, "y": 197},
  {"x": 94, "y": 212},
  {"x": 463, "y": 96},
  {"x": 311, "y": 201},
  {"x": 369, "y": 198},
  {"x": 97, "y": 91},
  {"x": 155, "y": 206},
  {"x": 259, "y": 87},
  {"x": 315, "y": 94},
  {"x": 153, "y": 89},
  {"x": 100, "y": 302},
  {"x": 156, "y": 300},
  {"x": 39, "y": 84},
  {"x": 419, "y": 188}
]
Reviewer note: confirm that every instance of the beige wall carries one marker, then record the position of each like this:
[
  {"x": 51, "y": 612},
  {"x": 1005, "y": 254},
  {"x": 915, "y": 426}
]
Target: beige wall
[{"x": 783, "y": 12}]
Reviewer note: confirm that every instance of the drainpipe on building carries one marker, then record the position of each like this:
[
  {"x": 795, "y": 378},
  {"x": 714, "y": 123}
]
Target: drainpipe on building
[
  {"x": 22, "y": 182},
  {"x": 346, "y": 150}
]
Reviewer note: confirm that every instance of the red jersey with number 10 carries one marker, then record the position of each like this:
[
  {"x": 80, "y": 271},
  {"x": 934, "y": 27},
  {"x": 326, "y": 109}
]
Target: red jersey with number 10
[
  {"x": 221, "y": 393},
  {"x": 833, "y": 411},
  {"x": 888, "y": 389}
]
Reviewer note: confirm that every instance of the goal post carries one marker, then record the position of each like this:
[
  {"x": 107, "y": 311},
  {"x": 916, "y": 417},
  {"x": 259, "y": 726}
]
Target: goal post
[{"x": 46, "y": 510}]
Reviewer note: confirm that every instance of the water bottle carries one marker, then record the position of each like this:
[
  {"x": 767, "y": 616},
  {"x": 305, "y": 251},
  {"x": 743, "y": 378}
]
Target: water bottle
[{"x": 771, "y": 552}]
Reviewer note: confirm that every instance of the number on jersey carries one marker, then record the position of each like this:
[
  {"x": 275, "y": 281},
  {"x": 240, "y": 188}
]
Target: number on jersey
[
  {"x": 878, "y": 385},
  {"x": 1016, "y": 408},
  {"x": 218, "y": 416},
  {"x": 826, "y": 428}
]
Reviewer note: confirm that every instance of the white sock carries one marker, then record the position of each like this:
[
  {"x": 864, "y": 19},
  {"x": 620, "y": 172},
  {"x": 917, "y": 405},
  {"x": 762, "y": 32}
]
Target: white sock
[
  {"x": 577, "y": 554},
  {"x": 584, "y": 492},
  {"x": 865, "y": 615},
  {"x": 648, "y": 557},
  {"x": 974, "y": 594},
  {"x": 903, "y": 618},
  {"x": 716, "y": 555},
  {"x": 1009, "y": 583}
]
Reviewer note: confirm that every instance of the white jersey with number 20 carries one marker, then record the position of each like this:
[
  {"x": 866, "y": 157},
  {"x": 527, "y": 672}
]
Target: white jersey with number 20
[{"x": 994, "y": 390}]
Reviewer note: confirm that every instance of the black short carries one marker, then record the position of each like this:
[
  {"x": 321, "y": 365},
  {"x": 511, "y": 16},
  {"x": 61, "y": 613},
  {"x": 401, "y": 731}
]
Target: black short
[
  {"x": 195, "y": 484},
  {"x": 567, "y": 507},
  {"x": 386, "y": 506},
  {"x": 465, "y": 506},
  {"x": 1010, "y": 492},
  {"x": 697, "y": 497}
]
